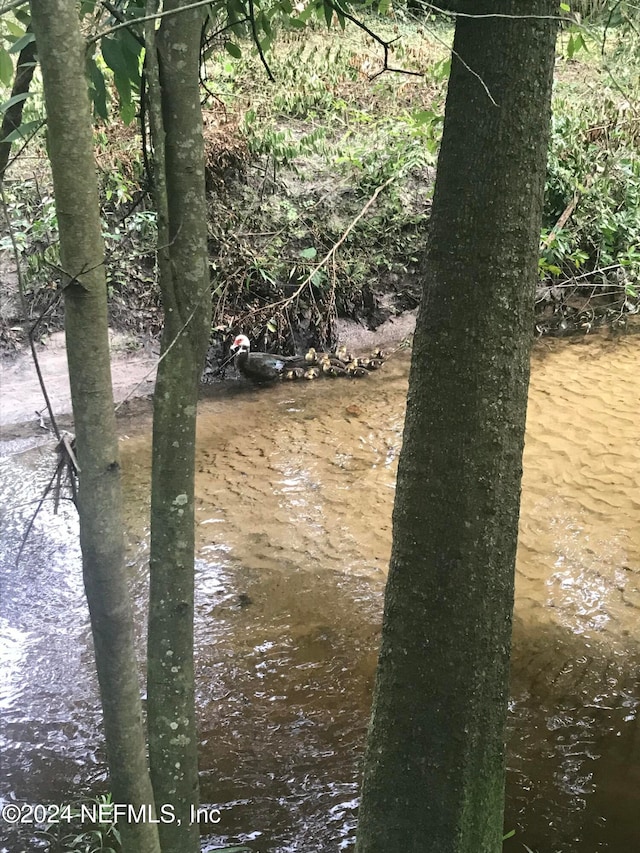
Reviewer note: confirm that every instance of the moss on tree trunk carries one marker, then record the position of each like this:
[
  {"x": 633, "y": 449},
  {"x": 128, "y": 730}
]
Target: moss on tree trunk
[{"x": 434, "y": 770}]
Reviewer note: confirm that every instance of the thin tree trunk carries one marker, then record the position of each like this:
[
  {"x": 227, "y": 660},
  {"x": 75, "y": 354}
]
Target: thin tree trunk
[
  {"x": 434, "y": 769},
  {"x": 13, "y": 116},
  {"x": 184, "y": 283},
  {"x": 61, "y": 52}
]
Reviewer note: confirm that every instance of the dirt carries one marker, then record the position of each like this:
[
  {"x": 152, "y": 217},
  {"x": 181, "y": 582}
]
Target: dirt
[{"x": 22, "y": 405}]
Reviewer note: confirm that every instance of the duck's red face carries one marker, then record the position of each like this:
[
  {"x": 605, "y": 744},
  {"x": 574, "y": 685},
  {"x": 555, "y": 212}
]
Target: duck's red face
[{"x": 241, "y": 342}]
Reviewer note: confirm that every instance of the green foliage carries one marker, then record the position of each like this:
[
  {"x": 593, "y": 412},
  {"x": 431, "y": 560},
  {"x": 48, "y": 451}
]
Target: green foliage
[
  {"x": 87, "y": 837},
  {"x": 593, "y": 162},
  {"x": 123, "y": 56},
  {"x": 14, "y": 37},
  {"x": 599, "y": 10},
  {"x": 6, "y": 67},
  {"x": 326, "y": 133},
  {"x": 35, "y": 230},
  {"x": 399, "y": 147}
]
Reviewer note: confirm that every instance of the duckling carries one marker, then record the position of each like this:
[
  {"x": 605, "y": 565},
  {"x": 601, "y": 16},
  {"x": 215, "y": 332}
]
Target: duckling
[
  {"x": 343, "y": 354},
  {"x": 294, "y": 373},
  {"x": 311, "y": 373},
  {"x": 375, "y": 363},
  {"x": 356, "y": 371},
  {"x": 329, "y": 368},
  {"x": 312, "y": 356},
  {"x": 378, "y": 353}
]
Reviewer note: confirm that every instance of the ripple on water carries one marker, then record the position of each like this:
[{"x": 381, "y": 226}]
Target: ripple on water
[{"x": 295, "y": 489}]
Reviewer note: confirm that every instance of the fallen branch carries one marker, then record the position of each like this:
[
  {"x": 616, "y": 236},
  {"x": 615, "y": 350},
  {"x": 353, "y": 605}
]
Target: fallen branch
[{"x": 566, "y": 214}]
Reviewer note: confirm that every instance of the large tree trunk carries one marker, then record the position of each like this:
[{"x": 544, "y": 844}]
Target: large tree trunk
[
  {"x": 184, "y": 283},
  {"x": 434, "y": 769},
  {"x": 61, "y": 52}
]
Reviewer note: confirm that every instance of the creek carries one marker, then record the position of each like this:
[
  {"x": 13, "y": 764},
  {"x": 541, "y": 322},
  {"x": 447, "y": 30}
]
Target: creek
[{"x": 295, "y": 490}]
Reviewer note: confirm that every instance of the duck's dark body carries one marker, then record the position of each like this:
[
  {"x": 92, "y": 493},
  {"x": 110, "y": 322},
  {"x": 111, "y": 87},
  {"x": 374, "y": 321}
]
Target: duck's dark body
[{"x": 265, "y": 366}]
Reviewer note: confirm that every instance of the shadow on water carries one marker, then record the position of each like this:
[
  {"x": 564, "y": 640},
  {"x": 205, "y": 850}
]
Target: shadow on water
[{"x": 294, "y": 496}]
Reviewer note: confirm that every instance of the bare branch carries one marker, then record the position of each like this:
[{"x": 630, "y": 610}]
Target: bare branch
[
  {"x": 180, "y": 331},
  {"x": 452, "y": 14},
  {"x": 256, "y": 40},
  {"x": 382, "y": 42},
  {"x": 119, "y": 15},
  {"x": 15, "y": 4},
  {"x": 144, "y": 18}
]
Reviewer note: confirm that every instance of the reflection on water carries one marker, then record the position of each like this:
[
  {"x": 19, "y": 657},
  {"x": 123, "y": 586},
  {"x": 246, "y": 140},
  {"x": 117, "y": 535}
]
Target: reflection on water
[{"x": 294, "y": 496}]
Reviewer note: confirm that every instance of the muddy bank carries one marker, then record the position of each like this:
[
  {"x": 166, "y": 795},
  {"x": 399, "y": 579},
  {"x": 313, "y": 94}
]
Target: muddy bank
[{"x": 133, "y": 370}]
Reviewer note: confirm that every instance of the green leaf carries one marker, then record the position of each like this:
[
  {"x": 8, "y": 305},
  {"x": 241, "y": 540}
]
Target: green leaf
[
  {"x": 328, "y": 14},
  {"x": 23, "y": 41},
  {"x": 233, "y": 49},
  {"x": 421, "y": 117},
  {"x": 6, "y": 67},
  {"x": 131, "y": 53},
  {"x": 296, "y": 23},
  {"x": 125, "y": 72},
  {"x": 127, "y": 111},
  {"x": 509, "y": 835},
  {"x": 14, "y": 100},
  {"x": 15, "y": 29},
  {"x": 23, "y": 15},
  {"x": 263, "y": 21},
  {"x": 309, "y": 253},
  {"x": 112, "y": 54},
  {"x": 565, "y": 7},
  {"x": 24, "y": 130},
  {"x": 98, "y": 89},
  {"x": 272, "y": 326},
  {"x": 442, "y": 69}
]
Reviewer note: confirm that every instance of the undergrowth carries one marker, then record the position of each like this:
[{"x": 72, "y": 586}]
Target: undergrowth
[{"x": 291, "y": 164}]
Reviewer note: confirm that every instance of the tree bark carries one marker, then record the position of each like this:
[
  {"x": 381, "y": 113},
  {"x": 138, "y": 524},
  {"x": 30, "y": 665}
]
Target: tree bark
[
  {"x": 69, "y": 129},
  {"x": 13, "y": 116},
  {"x": 434, "y": 768},
  {"x": 186, "y": 298}
]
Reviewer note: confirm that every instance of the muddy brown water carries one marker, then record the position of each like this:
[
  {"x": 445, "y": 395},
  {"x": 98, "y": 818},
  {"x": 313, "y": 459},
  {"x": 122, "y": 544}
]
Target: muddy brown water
[{"x": 294, "y": 497}]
